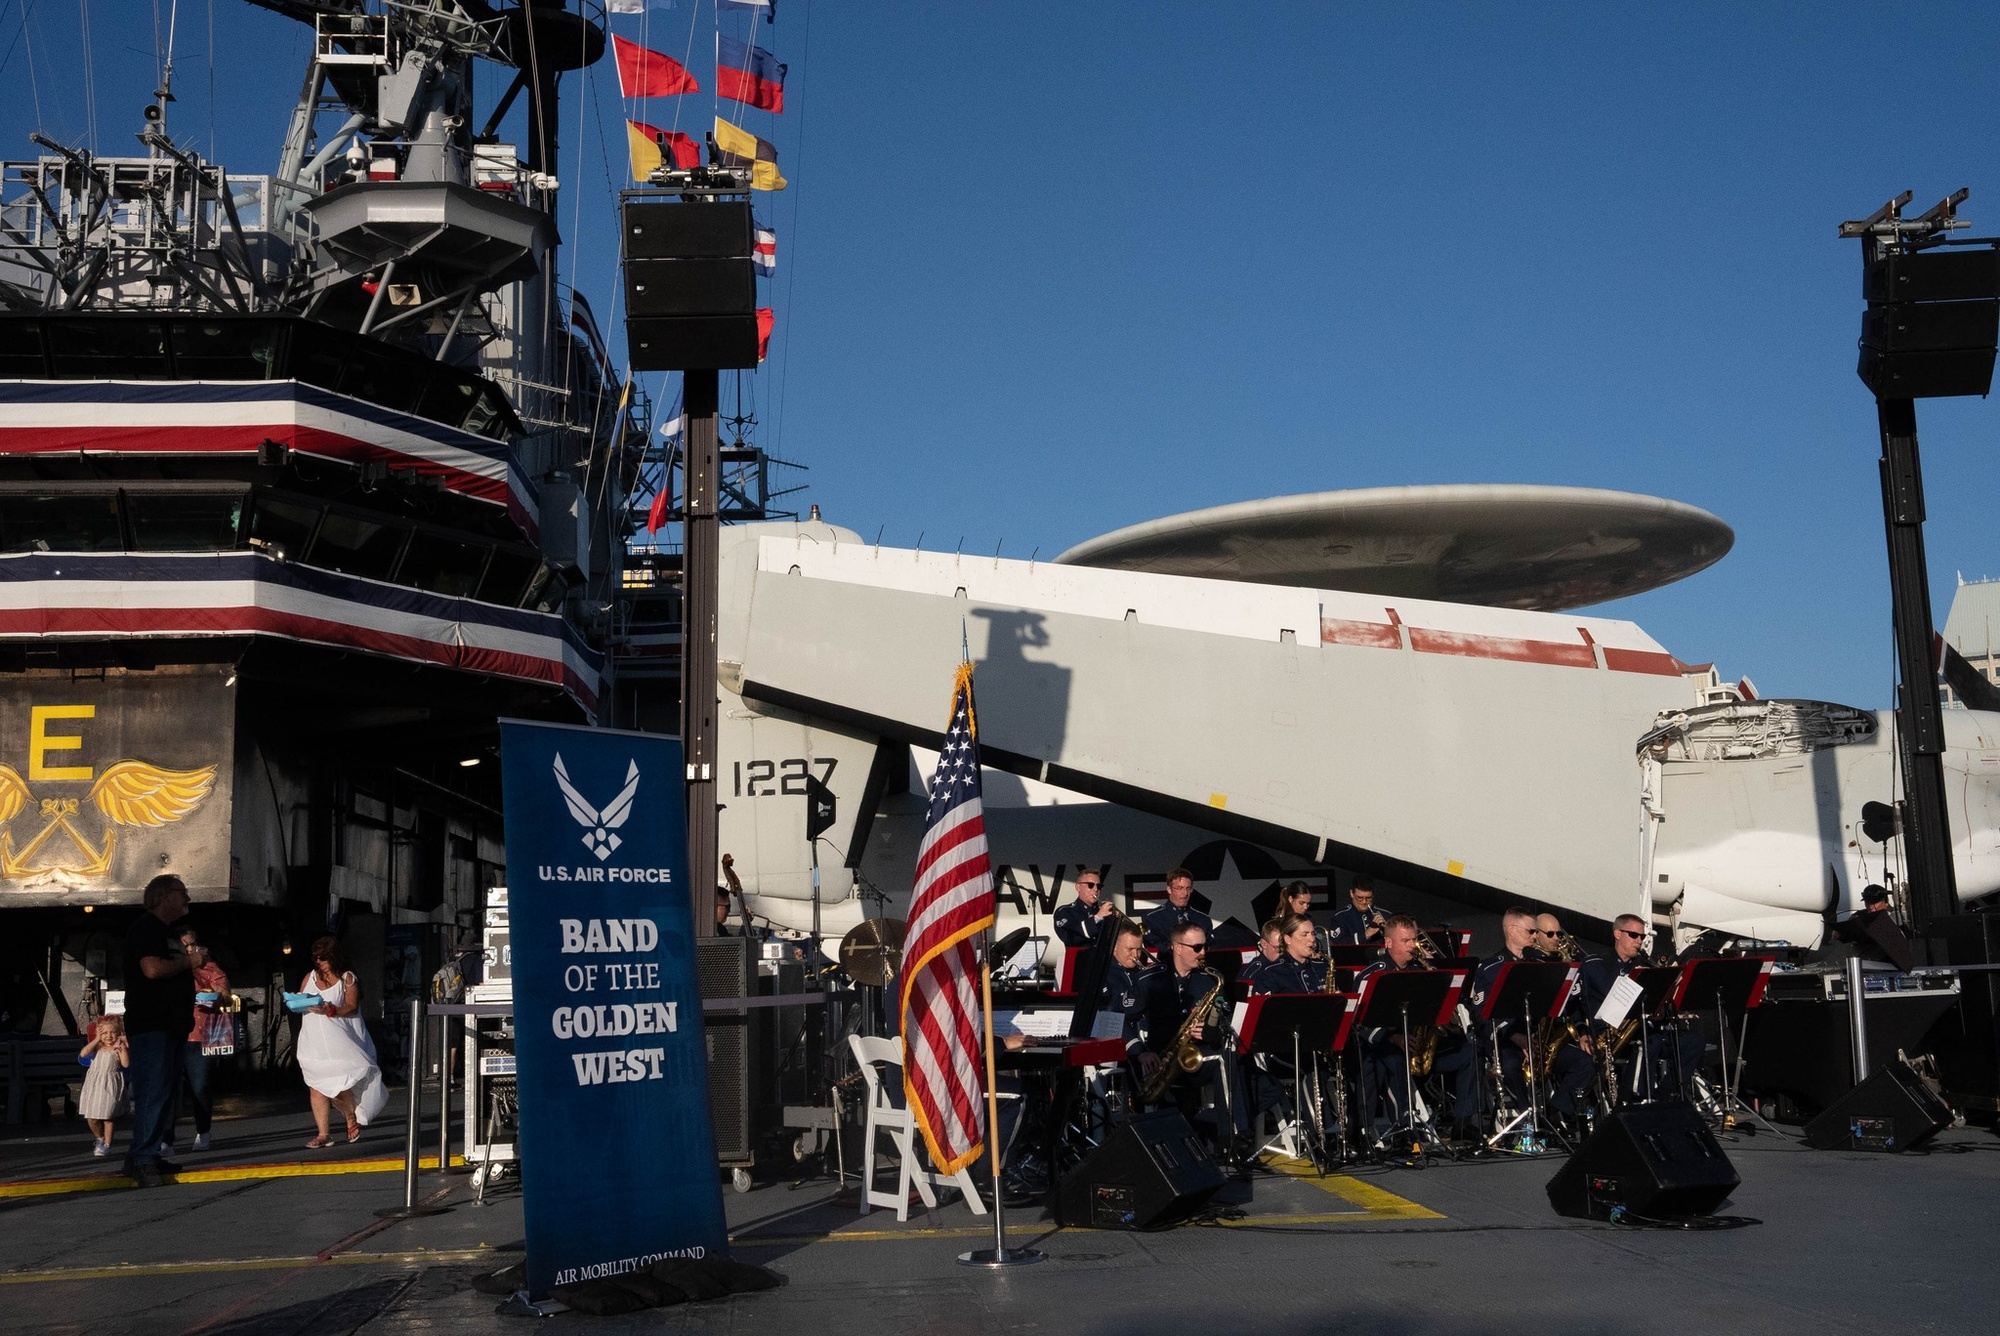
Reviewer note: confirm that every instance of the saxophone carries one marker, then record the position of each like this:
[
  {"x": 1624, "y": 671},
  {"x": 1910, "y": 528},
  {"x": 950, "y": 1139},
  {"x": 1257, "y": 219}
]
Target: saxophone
[
  {"x": 1553, "y": 1032},
  {"x": 1183, "y": 1055}
]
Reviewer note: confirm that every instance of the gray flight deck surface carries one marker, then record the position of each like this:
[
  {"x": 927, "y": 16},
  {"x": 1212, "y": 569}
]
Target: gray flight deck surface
[{"x": 1848, "y": 1243}]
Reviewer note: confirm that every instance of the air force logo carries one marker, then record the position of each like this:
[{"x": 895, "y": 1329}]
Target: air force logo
[{"x": 599, "y": 825}]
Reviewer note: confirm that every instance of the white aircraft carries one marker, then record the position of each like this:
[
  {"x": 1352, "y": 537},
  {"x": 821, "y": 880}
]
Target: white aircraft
[{"x": 1380, "y": 682}]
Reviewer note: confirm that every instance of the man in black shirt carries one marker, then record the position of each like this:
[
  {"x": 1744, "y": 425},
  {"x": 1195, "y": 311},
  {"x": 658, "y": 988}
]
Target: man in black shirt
[
  {"x": 1873, "y": 933},
  {"x": 159, "y": 999}
]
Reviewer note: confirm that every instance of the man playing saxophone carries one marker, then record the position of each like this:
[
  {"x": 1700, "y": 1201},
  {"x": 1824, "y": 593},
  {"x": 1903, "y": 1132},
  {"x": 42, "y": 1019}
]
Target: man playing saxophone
[
  {"x": 1186, "y": 1014},
  {"x": 1672, "y": 1054},
  {"x": 1572, "y": 1066},
  {"x": 1383, "y": 1057},
  {"x": 1571, "y": 1069}
]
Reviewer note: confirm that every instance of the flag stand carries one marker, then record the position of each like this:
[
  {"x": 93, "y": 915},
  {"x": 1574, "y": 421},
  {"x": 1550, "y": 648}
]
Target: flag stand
[{"x": 999, "y": 1254}]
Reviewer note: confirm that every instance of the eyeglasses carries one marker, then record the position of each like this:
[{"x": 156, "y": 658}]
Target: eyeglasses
[
  {"x": 1627, "y": 932},
  {"x": 1194, "y": 948}
]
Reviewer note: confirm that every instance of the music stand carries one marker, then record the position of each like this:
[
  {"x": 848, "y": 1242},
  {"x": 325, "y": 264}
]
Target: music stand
[
  {"x": 1735, "y": 984},
  {"x": 1657, "y": 985},
  {"x": 1392, "y": 998},
  {"x": 1294, "y": 1026},
  {"x": 1533, "y": 989}
]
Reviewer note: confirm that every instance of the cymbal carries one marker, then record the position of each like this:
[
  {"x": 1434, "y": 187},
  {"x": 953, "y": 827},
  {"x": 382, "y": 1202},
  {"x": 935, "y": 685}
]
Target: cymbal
[{"x": 872, "y": 951}]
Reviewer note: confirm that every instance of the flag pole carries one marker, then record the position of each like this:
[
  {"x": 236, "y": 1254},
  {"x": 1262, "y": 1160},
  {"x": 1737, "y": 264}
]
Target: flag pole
[{"x": 999, "y": 1254}]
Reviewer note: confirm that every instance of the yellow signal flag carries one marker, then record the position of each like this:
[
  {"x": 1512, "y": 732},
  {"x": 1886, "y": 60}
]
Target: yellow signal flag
[{"x": 740, "y": 148}]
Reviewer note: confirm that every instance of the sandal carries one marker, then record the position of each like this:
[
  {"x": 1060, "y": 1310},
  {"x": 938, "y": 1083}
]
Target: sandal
[
  {"x": 353, "y": 1132},
  {"x": 319, "y": 1143}
]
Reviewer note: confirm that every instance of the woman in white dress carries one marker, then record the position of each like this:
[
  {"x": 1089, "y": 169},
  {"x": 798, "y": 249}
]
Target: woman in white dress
[{"x": 336, "y": 1056}]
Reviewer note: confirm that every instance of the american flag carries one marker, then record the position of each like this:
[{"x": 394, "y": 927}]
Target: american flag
[{"x": 952, "y": 903}]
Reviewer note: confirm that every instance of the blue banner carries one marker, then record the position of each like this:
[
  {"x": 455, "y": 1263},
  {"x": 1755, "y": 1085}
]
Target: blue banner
[{"x": 618, "y": 1160}]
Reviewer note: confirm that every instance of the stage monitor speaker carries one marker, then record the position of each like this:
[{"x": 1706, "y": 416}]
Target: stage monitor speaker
[
  {"x": 1892, "y": 1110},
  {"x": 692, "y": 342},
  {"x": 687, "y": 230},
  {"x": 1659, "y": 1161},
  {"x": 1150, "y": 1173}
]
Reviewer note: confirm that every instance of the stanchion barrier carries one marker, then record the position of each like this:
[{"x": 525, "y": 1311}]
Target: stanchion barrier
[{"x": 412, "y": 1117}]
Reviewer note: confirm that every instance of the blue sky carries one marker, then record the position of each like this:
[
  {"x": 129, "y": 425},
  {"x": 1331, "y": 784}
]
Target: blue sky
[{"x": 1046, "y": 270}]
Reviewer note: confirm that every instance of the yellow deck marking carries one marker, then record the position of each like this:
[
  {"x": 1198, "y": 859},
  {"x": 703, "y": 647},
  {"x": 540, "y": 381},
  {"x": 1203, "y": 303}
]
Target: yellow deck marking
[
  {"x": 1375, "y": 1203},
  {"x": 226, "y": 1174}
]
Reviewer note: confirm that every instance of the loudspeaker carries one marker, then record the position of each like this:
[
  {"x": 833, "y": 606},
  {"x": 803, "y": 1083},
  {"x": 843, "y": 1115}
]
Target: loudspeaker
[
  {"x": 690, "y": 287},
  {"x": 687, "y": 230},
  {"x": 1654, "y": 1160},
  {"x": 692, "y": 342},
  {"x": 1892, "y": 1110},
  {"x": 1149, "y": 1173}
]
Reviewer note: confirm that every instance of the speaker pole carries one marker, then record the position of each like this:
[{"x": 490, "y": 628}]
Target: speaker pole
[
  {"x": 999, "y": 1254},
  {"x": 699, "y": 593},
  {"x": 1857, "y": 1019}
]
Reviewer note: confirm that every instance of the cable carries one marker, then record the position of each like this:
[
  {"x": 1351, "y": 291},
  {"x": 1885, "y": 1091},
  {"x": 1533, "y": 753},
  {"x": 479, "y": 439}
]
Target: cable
[{"x": 1633, "y": 1220}]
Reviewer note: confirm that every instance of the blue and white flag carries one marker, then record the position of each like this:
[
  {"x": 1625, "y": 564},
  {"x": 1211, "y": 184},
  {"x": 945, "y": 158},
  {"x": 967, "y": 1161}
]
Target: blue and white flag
[
  {"x": 764, "y": 251},
  {"x": 675, "y": 427}
]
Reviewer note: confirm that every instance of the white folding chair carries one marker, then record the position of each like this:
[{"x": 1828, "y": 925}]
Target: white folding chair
[{"x": 888, "y": 1113}]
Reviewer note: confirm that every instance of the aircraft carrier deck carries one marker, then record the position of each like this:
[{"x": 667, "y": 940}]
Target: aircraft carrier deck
[{"x": 260, "y": 1238}]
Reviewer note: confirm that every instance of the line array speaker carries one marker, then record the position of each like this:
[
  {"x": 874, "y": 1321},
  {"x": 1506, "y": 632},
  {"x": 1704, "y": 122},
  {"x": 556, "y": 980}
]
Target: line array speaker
[
  {"x": 690, "y": 286},
  {"x": 1151, "y": 1172},
  {"x": 1657, "y": 1160}
]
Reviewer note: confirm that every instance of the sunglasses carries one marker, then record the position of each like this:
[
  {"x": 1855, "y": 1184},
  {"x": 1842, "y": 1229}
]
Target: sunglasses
[
  {"x": 1627, "y": 932},
  {"x": 1198, "y": 950}
]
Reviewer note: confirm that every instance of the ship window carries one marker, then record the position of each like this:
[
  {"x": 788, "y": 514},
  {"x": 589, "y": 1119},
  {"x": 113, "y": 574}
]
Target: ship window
[
  {"x": 224, "y": 349},
  {"x": 449, "y": 400},
  {"x": 386, "y": 378},
  {"x": 356, "y": 546},
  {"x": 443, "y": 565},
  {"x": 507, "y": 578},
  {"x": 317, "y": 358},
  {"x": 60, "y": 522},
  {"x": 488, "y": 417},
  {"x": 21, "y": 349},
  {"x": 175, "y": 522},
  {"x": 120, "y": 349},
  {"x": 282, "y": 528}
]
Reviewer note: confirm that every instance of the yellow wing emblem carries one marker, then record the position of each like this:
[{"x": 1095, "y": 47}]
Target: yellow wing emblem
[
  {"x": 14, "y": 793},
  {"x": 133, "y": 793}
]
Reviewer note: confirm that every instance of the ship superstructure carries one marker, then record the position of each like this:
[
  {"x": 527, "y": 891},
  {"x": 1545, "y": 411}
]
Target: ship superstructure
[{"x": 305, "y": 479}]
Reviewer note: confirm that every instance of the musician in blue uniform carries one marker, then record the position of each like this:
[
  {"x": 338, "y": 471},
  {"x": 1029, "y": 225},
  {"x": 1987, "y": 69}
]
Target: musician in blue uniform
[
  {"x": 1297, "y": 898},
  {"x": 1078, "y": 922},
  {"x": 1170, "y": 995},
  {"x": 1519, "y": 931},
  {"x": 1575, "y": 1064},
  {"x": 1300, "y": 969},
  {"x": 1673, "y": 1052},
  {"x": 1270, "y": 950},
  {"x": 1360, "y": 924},
  {"x": 1176, "y": 912},
  {"x": 1383, "y": 1059},
  {"x": 1125, "y": 981}
]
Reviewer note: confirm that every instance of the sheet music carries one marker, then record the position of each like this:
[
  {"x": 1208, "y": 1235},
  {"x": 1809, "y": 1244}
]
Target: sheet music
[
  {"x": 1618, "y": 1002},
  {"x": 1236, "y": 1017},
  {"x": 1108, "y": 1025},
  {"x": 1043, "y": 1024}
]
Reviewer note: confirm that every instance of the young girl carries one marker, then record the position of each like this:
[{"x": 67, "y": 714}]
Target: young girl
[{"x": 104, "y": 1098}]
